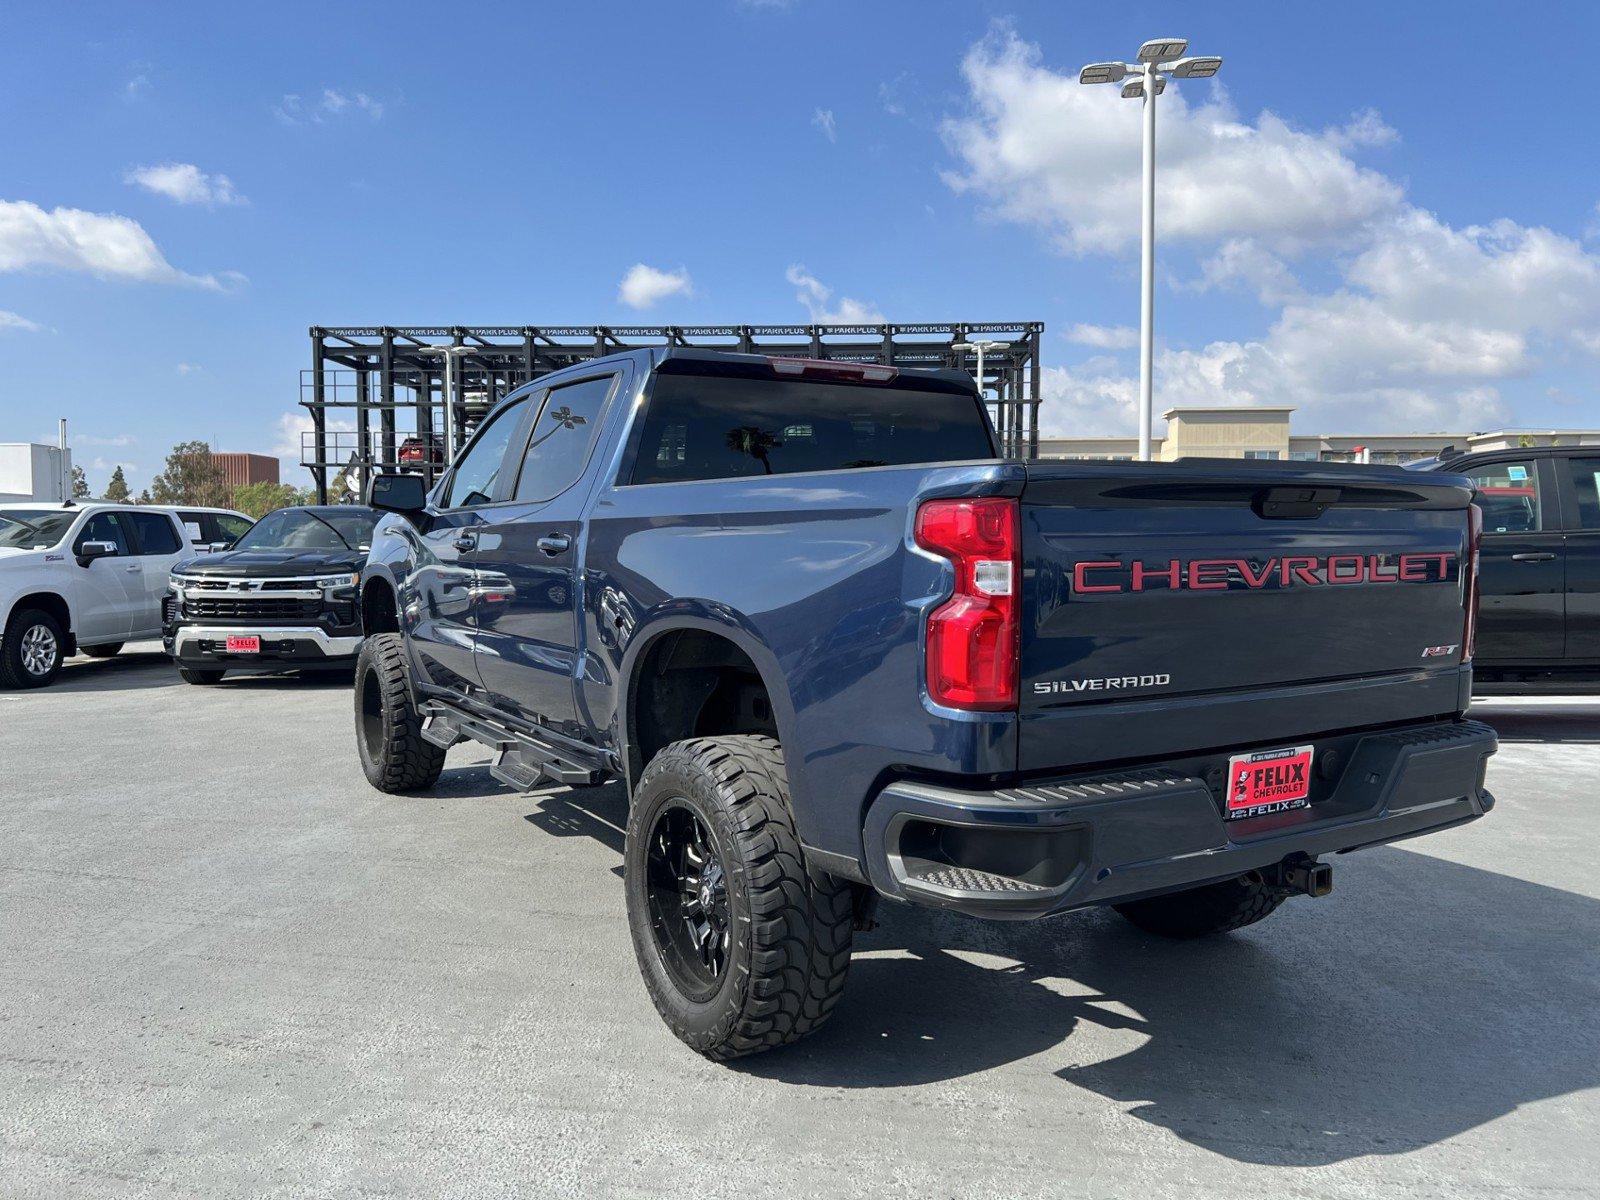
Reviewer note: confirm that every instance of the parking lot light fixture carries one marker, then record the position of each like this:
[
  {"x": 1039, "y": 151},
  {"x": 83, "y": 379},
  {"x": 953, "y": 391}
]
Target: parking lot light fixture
[{"x": 1158, "y": 59}]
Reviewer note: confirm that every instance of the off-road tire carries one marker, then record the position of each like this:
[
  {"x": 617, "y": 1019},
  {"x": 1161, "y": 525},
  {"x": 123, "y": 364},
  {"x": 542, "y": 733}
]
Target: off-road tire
[
  {"x": 1211, "y": 908},
  {"x": 13, "y": 672},
  {"x": 388, "y": 727},
  {"x": 790, "y": 927},
  {"x": 200, "y": 675},
  {"x": 108, "y": 650}
]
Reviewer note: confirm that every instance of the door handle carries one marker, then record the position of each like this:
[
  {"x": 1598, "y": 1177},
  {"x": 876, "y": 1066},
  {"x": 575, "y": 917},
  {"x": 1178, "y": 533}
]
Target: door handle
[
  {"x": 1533, "y": 556},
  {"x": 133, "y": 569},
  {"x": 466, "y": 541},
  {"x": 554, "y": 543}
]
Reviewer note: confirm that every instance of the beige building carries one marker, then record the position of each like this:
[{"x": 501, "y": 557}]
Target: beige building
[{"x": 1237, "y": 432}]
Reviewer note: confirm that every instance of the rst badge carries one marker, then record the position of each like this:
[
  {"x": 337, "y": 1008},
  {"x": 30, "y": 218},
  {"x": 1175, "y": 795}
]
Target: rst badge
[
  {"x": 1268, "y": 781},
  {"x": 1440, "y": 651}
]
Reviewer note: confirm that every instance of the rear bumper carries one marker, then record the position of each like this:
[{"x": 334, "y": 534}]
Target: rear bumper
[
  {"x": 281, "y": 646},
  {"x": 1044, "y": 848}
]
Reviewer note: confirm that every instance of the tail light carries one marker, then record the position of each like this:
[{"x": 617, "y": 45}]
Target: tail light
[
  {"x": 972, "y": 637},
  {"x": 1469, "y": 636}
]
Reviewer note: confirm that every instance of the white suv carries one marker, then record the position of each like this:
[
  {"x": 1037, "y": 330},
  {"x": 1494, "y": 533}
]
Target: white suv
[{"x": 83, "y": 577}]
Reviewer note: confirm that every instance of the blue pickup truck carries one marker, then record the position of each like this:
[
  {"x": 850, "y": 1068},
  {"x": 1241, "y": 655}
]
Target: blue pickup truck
[{"x": 837, "y": 650}]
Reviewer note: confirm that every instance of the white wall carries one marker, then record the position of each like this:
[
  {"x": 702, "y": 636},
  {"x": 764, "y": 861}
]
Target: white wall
[{"x": 30, "y": 471}]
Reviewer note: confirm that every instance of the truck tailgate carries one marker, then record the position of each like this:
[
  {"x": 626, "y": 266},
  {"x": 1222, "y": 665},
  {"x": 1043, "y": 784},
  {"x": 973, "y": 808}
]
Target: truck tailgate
[{"x": 1206, "y": 603}]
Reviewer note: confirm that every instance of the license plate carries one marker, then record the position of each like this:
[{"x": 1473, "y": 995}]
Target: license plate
[
  {"x": 244, "y": 645},
  {"x": 1269, "y": 781}
]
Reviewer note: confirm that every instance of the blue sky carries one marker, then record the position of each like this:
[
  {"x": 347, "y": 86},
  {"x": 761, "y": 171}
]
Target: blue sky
[{"x": 1367, "y": 216}]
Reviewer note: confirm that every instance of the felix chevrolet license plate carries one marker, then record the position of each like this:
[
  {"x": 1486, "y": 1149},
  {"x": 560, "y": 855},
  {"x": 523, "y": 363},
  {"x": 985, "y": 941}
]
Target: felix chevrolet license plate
[
  {"x": 1269, "y": 781},
  {"x": 250, "y": 644}
]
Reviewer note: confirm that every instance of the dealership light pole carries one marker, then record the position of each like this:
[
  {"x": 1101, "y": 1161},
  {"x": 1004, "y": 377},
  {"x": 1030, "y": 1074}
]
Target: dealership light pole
[
  {"x": 982, "y": 346},
  {"x": 449, "y": 354},
  {"x": 1158, "y": 59}
]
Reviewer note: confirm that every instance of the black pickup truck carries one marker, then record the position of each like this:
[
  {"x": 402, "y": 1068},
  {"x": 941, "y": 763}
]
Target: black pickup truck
[
  {"x": 838, "y": 651},
  {"x": 1539, "y": 624},
  {"x": 286, "y": 596}
]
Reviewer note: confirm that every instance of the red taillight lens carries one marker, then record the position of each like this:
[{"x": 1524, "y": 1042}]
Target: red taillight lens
[
  {"x": 972, "y": 637},
  {"x": 1469, "y": 636}
]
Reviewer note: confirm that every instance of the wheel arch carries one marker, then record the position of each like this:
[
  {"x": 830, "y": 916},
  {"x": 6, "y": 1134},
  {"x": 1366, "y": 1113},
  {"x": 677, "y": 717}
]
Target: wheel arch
[
  {"x": 380, "y": 604},
  {"x": 48, "y": 601},
  {"x": 651, "y": 654}
]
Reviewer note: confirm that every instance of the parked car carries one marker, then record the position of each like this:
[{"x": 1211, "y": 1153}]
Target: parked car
[
  {"x": 81, "y": 577},
  {"x": 284, "y": 597},
  {"x": 414, "y": 453},
  {"x": 212, "y": 529},
  {"x": 838, "y": 651},
  {"x": 1539, "y": 628}
]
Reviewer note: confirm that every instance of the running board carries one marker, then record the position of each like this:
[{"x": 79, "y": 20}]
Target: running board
[{"x": 522, "y": 761}]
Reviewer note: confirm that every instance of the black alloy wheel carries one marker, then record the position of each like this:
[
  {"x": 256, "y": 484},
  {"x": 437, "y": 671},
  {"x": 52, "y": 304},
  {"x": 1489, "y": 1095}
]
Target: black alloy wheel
[{"x": 687, "y": 891}]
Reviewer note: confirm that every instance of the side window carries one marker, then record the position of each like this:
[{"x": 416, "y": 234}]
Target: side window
[
  {"x": 229, "y": 528},
  {"x": 1508, "y": 493},
  {"x": 102, "y": 527},
  {"x": 155, "y": 532},
  {"x": 194, "y": 527},
  {"x": 1586, "y": 482},
  {"x": 474, "y": 478},
  {"x": 562, "y": 438}
]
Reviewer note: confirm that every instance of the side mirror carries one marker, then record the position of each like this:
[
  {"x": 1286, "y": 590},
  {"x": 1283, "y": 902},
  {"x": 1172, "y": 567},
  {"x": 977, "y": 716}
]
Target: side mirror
[
  {"x": 398, "y": 493},
  {"x": 217, "y": 547},
  {"x": 90, "y": 551}
]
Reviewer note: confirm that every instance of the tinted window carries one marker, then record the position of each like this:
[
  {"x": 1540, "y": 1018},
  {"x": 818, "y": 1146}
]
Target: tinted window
[
  {"x": 102, "y": 527},
  {"x": 1586, "y": 481},
  {"x": 1508, "y": 493},
  {"x": 31, "y": 529},
  {"x": 562, "y": 437},
  {"x": 701, "y": 427},
  {"x": 311, "y": 529},
  {"x": 475, "y": 474},
  {"x": 155, "y": 532},
  {"x": 229, "y": 528}
]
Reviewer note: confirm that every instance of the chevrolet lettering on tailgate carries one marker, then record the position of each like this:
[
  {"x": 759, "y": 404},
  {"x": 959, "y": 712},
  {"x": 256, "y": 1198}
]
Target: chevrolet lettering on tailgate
[{"x": 1293, "y": 570}]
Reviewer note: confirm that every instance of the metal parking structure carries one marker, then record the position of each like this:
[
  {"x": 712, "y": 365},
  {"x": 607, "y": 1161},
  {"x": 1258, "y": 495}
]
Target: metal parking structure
[{"x": 387, "y": 384}]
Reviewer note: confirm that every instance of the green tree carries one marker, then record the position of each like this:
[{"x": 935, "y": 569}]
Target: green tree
[
  {"x": 117, "y": 489},
  {"x": 191, "y": 476},
  {"x": 80, "y": 485},
  {"x": 258, "y": 499}
]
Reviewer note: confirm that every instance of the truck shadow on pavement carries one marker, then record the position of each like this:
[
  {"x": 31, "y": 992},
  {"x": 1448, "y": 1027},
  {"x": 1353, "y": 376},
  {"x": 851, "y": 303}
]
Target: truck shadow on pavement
[
  {"x": 1422, "y": 1001},
  {"x": 128, "y": 671},
  {"x": 1575, "y": 724}
]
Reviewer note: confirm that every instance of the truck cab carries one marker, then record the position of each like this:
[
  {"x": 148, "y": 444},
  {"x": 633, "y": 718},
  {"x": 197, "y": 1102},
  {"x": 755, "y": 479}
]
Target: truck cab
[{"x": 1539, "y": 623}]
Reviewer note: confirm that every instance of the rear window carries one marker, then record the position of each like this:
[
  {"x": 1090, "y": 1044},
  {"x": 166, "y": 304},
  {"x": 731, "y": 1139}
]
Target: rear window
[{"x": 704, "y": 427}]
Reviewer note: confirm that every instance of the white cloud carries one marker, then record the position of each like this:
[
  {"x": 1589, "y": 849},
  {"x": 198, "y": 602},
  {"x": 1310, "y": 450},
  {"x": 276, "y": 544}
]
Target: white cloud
[
  {"x": 189, "y": 368},
  {"x": 184, "y": 183},
  {"x": 822, "y": 118},
  {"x": 10, "y": 321},
  {"x": 136, "y": 89},
  {"x": 332, "y": 104},
  {"x": 1104, "y": 337},
  {"x": 815, "y": 295},
  {"x": 105, "y": 245},
  {"x": 644, "y": 285},
  {"x": 291, "y": 428},
  {"x": 1039, "y": 148},
  {"x": 1421, "y": 324}
]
